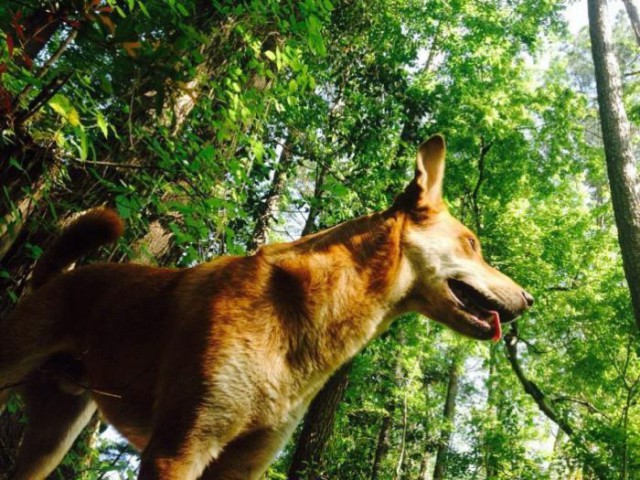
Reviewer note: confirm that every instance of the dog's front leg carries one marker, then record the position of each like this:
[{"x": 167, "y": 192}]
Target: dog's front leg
[
  {"x": 246, "y": 458},
  {"x": 181, "y": 447},
  {"x": 191, "y": 427},
  {"x": 249, "y": 456}
]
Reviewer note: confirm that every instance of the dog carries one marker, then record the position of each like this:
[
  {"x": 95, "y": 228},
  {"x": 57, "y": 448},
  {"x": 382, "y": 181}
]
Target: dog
[{"x": 207, "y": 370}]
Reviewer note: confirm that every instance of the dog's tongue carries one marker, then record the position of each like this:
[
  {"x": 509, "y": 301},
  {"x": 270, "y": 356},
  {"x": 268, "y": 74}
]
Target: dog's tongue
[{"x": 495, "y": 319}]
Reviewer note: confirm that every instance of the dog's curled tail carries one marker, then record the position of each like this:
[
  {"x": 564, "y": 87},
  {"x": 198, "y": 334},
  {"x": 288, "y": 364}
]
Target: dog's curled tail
[{"x": 93, "y": 229}]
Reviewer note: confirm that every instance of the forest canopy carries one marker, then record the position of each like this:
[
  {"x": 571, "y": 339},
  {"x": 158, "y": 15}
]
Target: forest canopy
[{"x": 215, "y": 126}]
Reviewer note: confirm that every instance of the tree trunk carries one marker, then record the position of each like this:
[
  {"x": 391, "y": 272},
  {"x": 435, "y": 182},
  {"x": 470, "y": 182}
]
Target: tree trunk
[
  {"x": 27, "y": 167},
  {"x": 407, "y": 133},
  {"x": 556, "y": 453},
  {"x": 384, "y": 443},
  {"x": 490, "y": 460},
  {"x": 634, "y": 18},
  {"x": 430, "y": 441},
  {"x": 423, "y": 472},
  {"x": 439, "y": 471},
  {"x": 317, "y": 428},
  {"x": 314, "y": 210},
  {"x": 403, "y": 438},
  {"x": 621, "y": 164},
  {"x": 267, "y": 208}
]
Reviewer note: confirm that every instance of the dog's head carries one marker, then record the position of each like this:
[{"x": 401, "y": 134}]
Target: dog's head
[{"x": 454, "y": 285}]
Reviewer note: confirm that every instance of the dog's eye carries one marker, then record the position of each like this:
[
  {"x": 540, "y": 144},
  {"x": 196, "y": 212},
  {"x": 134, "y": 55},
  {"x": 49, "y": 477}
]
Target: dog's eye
[{"x": 473, "y": 243}]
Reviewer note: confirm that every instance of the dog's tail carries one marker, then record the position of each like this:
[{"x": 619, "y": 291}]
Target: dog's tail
[{"x": 97, "y": 227}]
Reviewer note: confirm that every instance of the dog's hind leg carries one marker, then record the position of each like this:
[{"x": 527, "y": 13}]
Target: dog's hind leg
[
  {"x": 29, "y": 336},
  {"x": 54, "y": 420}
]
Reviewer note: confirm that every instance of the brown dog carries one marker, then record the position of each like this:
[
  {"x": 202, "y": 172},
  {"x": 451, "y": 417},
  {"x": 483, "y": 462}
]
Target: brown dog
[{"x": 207, "y": 370}]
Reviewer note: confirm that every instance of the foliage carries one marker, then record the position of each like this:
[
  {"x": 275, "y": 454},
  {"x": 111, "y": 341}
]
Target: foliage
[{"x": 180, "y": 113}]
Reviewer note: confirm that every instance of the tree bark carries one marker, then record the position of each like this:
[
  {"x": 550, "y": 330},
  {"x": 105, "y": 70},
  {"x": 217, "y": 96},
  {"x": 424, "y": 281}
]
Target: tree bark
[
  {"x": 440, "y": 469},
  {"x": 621, "y": 164},
  {"x": 267, "y": 208},
  {"x": 384, "y": 444},
  {"x": 25, "y": 184},
  {"x": 423, "y": 472},
  {"x": 307, "y": 461},
  {"x": 490, "y": 458},
  {"x": 634, "y": 18},
  {"x": 430, "y": 440},
  {"x": 403, "y": 438},
  {"x": 314, "y": 210},
  {"x": 556, "y": 453}
]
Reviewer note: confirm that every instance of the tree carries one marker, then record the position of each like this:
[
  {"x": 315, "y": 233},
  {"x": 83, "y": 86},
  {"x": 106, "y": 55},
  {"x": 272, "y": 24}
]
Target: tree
[
  {"x": 161, "y": 60},
  {"x": 213, "y": 127},
  {"x": 621, "y": 162},
  {"x": 448, "y": 414},
  {"x": 634, "y": 18}
]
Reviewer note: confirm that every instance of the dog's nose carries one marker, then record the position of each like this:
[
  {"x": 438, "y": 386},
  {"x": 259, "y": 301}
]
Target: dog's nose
[{"x": 528, "y": 298}]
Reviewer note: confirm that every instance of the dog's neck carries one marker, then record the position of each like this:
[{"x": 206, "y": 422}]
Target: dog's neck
[{"x": 340, "y": 288}]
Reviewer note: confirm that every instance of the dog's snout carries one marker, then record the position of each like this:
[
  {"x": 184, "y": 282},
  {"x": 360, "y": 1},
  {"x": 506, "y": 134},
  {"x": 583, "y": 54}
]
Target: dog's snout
[{"x": 528, "y": 298}]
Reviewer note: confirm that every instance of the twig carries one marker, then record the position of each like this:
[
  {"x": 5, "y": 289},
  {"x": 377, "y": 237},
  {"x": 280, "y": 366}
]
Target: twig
[
  {"x": 43, "y": 97},
  {"x": 533, "y": 347},
  {"x": 114, "y": 462},
  {"x": 118, "y": 165},
  {"x": 80, "y": 384},
  {"x": 48, "y": 64},
  {"x": 588, "y": 405},
  {"x": 484, "y": 150},
  {"x": 71, "y": 379}
]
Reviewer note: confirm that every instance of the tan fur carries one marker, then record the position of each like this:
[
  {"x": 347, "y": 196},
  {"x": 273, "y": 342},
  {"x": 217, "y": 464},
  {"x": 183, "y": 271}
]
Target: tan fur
[{"x": 207, "y": 370}]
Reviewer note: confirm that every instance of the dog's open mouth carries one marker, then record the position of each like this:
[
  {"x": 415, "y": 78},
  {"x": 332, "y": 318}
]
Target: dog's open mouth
[{"x": 484, "y": 309}]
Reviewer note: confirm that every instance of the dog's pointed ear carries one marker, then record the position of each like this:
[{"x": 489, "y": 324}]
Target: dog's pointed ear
[
  {"x": 430, "y": 169},
  {"x": 425, "y": 190}
]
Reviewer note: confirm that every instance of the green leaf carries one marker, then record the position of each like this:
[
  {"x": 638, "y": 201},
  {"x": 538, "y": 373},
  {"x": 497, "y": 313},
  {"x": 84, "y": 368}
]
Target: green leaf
[
  {"x": 207, "y": 154},
  {"x": 123, "y": 205},
  {"x": 84, "y": 146},
  {"x": 105, "y": 85},
  {"x": 182, "y": 9},
  {"x": 102, "y": 124},
  {"x": 328, "y": 6},
  {"x": 144, "y": 10},
  {"x": 62, "y": 105}
]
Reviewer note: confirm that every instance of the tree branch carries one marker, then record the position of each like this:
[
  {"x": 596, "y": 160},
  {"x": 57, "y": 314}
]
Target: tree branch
[{"x": 511, "y": 340}]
